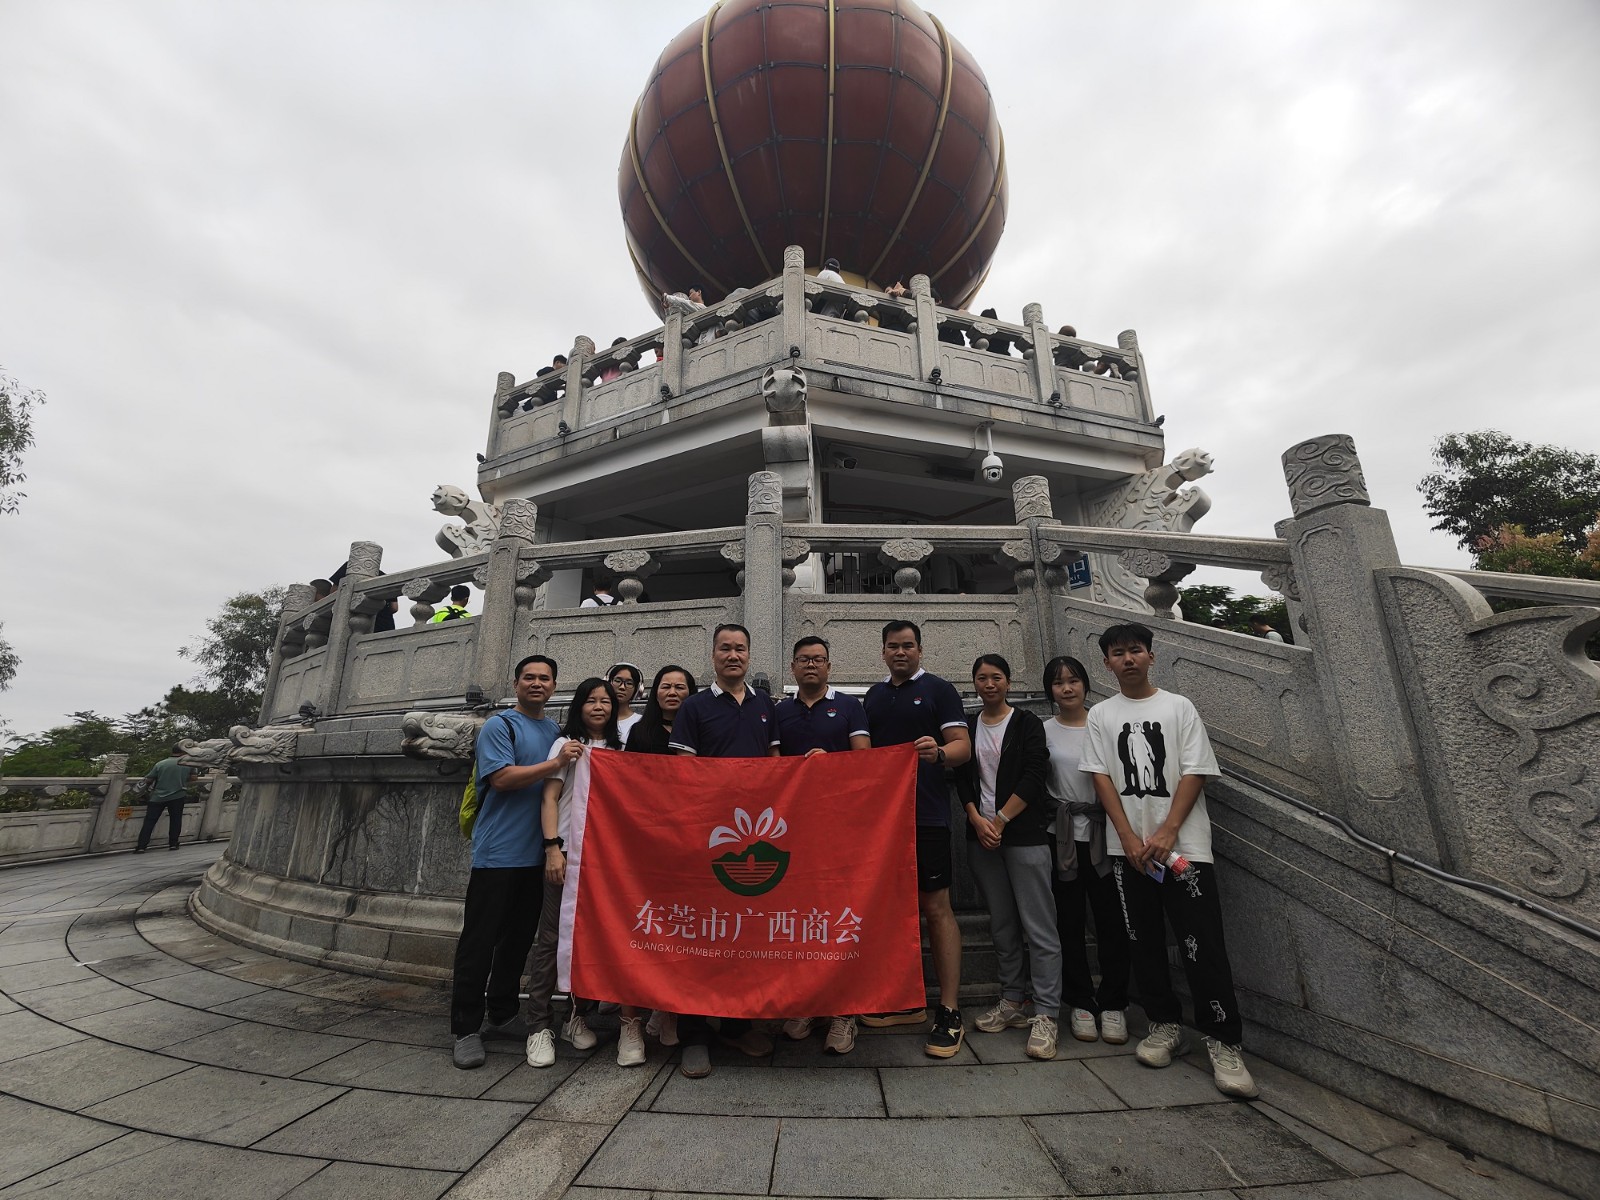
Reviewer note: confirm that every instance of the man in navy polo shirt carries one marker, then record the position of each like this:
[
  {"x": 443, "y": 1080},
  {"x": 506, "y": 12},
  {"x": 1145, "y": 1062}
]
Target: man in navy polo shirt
[
  {"x": 727, "y": 720},
  {"x": 914, "y": 706},
  {"x": 819, "y": 720}
]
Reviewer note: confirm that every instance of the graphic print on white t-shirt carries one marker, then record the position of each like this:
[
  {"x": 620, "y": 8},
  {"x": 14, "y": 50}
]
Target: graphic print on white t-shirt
[{"x": 1142, "y": 751}]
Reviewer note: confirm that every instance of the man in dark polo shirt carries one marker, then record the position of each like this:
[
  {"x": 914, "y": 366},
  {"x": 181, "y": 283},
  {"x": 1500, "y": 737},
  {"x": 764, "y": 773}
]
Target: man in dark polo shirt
[
  {"x": 914, "y": 706},
  {"x": 819, "y": 720},
  {"x": 727, "y": 720}
]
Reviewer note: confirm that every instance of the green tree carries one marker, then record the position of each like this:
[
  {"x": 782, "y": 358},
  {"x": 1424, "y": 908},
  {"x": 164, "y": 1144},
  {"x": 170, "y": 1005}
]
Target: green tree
[
  {"x": 74, "y": 749},
  {"x": 9, "y": 662},
  {"x": 1487, "y": 479},
  {"x": 1215, "y": 605},
  {"x": 17, "y": 404},
  {"x": 233, "y": 655}
]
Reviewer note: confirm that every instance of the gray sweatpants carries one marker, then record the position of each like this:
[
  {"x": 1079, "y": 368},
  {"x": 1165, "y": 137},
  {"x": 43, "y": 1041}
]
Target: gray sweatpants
[{"x": 1015, "y": 882}]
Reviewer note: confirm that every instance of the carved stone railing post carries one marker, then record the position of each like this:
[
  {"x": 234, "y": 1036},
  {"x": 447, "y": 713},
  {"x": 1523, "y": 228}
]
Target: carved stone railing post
[
  {"x": 216, "y": 788},
  {"x": 795, "y": 551},
  {"x": 763, "y": 574},
  {"x": 289, "y": 642},
  {"x": 502, "y": 408},
  {"x": 794, "y": 301},
  {"x": 1036, "y": 563},
  {"x": 926, "y": 329},
  {"x": 1337, "y": 542},
  {"x": 1128, "y": 341},
  {"x": 672, "y": 355},
  {"x": 631, "y": 568},
  {"x": 493, "y": 653},
  {"x": 1161, "y": 575},
  {"x": 364, "y": 562},
  {"x": 1045, "y": 385},
  {"x": 114, "y": 771},
  {"x": 905, "y": 556},
  {"x": 572, "y": 401}
]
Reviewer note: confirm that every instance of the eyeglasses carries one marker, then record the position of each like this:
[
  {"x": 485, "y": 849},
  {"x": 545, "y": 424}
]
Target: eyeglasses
[{"x": 811, "y": 660}]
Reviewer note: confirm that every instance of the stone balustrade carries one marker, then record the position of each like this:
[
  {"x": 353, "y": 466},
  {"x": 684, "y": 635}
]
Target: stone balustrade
[{"x": 850, "y": 329}]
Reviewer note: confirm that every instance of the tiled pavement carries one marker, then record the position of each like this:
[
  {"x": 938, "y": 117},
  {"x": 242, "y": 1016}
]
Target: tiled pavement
[{"x": 142, "y": 1057}]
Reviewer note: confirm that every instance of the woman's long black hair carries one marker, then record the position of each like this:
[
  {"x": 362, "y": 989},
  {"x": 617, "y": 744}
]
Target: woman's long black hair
[
  {"x": 576, "y": 729},
  {"x": 650, "y": 733}
]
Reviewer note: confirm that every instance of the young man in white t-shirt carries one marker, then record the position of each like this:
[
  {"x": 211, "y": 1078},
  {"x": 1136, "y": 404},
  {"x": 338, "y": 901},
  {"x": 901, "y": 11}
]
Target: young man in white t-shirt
[{"x": 1149, "y": 755}]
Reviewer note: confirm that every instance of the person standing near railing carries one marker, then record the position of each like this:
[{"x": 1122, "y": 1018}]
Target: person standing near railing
[{"x": 168, "y": 781}]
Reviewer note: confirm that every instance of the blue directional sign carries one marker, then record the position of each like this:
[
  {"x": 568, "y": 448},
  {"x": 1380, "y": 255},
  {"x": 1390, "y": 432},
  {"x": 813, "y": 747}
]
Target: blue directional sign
[{"x": 1078, "y": 573}]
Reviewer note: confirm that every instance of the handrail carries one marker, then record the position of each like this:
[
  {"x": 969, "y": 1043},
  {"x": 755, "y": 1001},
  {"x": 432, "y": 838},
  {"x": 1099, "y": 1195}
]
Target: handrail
[
  {"x": 391, "y": 586},
  {"x": 1246, "y": 553},
  {"x": 870, "y": 537},
  {"x": 1545, "y": 589}
]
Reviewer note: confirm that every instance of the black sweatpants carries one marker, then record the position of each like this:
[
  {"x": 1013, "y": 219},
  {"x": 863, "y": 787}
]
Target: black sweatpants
[
  {"x": 1195, "y": 910},
  {"x": 497, "y": 930},
  {"x": 152, "y": 815},
  {"x": 1099, "y": 894}
]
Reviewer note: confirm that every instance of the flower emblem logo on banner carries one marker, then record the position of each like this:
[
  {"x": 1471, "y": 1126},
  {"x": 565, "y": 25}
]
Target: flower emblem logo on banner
[{"x": 756, "y": 866}]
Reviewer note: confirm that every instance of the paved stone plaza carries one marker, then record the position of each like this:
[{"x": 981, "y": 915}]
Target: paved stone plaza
[{"x": 142, "y": 1057}]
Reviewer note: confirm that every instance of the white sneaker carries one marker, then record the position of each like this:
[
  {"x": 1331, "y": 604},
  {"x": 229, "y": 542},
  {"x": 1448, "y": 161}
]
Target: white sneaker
[
  {"x": 1083, "y": 1027},
  {"x": 841, "y": 1035},
  {"x": 1228, "y": 1070},
  {"x": 577, "y": 1031},
  {"x": 1114, "y": 1026},
  {"x": 663, "y": 1026},
  {"x": 1042, "y": 1038},
  {"x": 630, "y": 1044},
  {"x": 797, "y": 1029},
  {"x": 1164, "y": 1041},
  {"x": 542, "y": 1049},
  {"x": 1007, "y": 1014}
]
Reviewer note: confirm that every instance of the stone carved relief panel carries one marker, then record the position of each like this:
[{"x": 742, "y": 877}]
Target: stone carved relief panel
[
  {"x": 953, "y": 634},
  {"x": 422, "y": 663},
  {"x": 650, "y": 634},
  {"x": 627, "y": 393},
  {"x": 735, "y": 352},
  {"x": 1508, "y": 718},
  {"x": 1165, "y": 499},
  {"x": 298, "y": 681},
  {"x": 863, "y": 346}
]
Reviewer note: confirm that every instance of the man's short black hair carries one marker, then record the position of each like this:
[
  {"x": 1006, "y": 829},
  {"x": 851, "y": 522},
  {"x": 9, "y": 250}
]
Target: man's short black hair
[
  {"x": 535, "y": 658},
  {"x": 1121, "y": 635},
  {"x": 721, "y": 629},
  {"x": 897, "y": 626},
  {"x": 460, "y": 593},
  {"x": 177, "y": 752},
  {"x": 810, "y": 640},
  {"x": 560, "y": 358},
  {"x": 1260, "y": 619}
]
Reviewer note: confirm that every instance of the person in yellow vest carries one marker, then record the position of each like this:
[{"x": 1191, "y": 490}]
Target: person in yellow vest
[{"x": 456, "y": 610}]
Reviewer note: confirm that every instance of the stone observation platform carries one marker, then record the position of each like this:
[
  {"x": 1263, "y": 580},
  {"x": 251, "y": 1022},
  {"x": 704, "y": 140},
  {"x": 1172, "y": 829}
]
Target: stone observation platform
[{"x": 142, "y": 1057}]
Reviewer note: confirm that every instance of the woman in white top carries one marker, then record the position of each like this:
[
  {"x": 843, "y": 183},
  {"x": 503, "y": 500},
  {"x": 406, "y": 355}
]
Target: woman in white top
[
  {"x": 1083, "y": 872},
  {"x": 592, "y": 722},
  {"x": 625, "y": 679},
  {"x": 1009, "y": 854}
]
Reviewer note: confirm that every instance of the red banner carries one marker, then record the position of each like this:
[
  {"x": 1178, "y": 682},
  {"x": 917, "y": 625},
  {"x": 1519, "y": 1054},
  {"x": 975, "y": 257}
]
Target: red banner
[{"x": 745, "y": 887}]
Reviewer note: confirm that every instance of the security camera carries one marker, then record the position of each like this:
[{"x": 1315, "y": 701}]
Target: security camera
[
  {"x": 992, "y": 468},
  {"x": 843, "y": 461}
]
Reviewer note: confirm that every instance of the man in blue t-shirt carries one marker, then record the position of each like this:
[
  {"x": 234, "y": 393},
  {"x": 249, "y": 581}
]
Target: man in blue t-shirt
[
  {"x": 729, "y": 719},
  {"x": 914, "y": 706},
  {"x": 505, "y": 890}
]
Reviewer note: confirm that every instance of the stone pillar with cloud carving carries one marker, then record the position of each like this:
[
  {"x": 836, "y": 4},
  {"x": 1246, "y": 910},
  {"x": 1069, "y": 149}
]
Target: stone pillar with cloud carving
[
  {"x": 927, "y": 327},
  {"x": 289, "y": 642},
  {"x": 365, "y": 562},
  {"x": 763, "y": 574},
  {"x": 494, "y": 642},
  {"x": 794, "y": 302},
  {"x": 1337, "y": 543}
]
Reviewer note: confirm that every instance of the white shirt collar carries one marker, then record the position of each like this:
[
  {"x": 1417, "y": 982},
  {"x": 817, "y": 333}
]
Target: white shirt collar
[{"x": 921, "y": 671}]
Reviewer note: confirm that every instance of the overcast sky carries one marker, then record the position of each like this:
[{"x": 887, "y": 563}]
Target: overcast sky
[{"x": 266, "y": 259}]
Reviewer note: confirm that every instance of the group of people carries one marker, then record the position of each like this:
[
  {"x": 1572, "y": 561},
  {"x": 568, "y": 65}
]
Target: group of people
[{"x": 1062, "y": 815}]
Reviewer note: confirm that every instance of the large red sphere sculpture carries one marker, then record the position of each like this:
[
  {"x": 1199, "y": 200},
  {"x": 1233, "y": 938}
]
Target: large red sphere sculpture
[{"x": 857, "y": 129}]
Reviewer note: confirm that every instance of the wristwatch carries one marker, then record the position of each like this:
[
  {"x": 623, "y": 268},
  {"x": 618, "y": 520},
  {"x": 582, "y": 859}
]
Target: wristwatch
[
  {"x": 559, "y": 843},
  {"x": 939, "y": 755}
]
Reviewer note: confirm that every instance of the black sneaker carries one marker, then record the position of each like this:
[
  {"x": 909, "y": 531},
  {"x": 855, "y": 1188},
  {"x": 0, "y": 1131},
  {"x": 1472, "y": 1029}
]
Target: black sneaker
[
  {"x": 944, "y": 1039},
  {"x": 903, "y": 1016}
]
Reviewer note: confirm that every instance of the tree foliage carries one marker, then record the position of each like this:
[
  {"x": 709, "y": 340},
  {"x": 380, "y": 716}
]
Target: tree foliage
[
  {"x": 237, "y": 647},
  {"x": 1512, "y": 548},
  {"x": 1217, "y": 606},
  {"x": 9, "y": 662},
  {"x": 1487, "y": 480},
  {"x": 17, "y": 404}
]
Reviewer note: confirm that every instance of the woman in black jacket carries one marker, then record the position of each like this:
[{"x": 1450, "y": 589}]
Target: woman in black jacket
[{"x": 1009, "y": 816}]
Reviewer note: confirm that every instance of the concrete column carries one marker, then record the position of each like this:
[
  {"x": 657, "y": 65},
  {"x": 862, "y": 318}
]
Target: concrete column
[
  {"x": 211, "y": 814},
  {"x": 1044, "y": 362},
  {"x": 365, "y": 558},
  {"x": 296, "y": 599},
  {"x": 927, "y": 317},
  {"x": 572, "y": 401},
  {"x": 1337, "y": 541},
  {"x": 794, "y": 301},
  {"x": 763, "y": 574},
  {"x": 103, "y": 834},
  {"x": 493, "y": 652}
]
